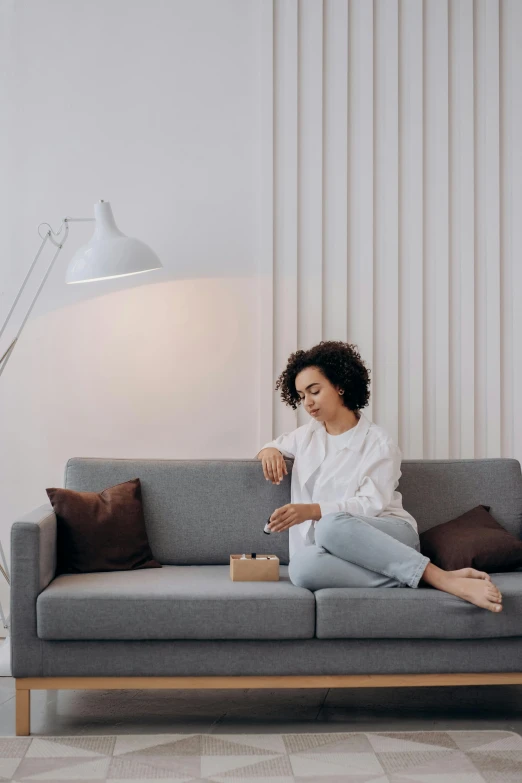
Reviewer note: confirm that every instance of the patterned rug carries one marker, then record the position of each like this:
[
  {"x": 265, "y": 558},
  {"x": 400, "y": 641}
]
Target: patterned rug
[{"x": 362, "y": 757}]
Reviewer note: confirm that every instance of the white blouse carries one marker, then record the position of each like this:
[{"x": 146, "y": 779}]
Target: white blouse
[{"x": 356, "y": 472}]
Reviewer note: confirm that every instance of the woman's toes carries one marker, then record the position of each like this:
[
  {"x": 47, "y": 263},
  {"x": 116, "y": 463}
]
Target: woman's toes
[
  {"x": 494, "y": 594},
  {"x": 473, "y": 573},
  {"x": 480, "y": 575}
]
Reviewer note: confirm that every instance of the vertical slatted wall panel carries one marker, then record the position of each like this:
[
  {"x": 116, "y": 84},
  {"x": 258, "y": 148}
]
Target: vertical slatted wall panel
[
  {"x": 511, "y": 222},
  {"x": 411, "y": 228},
  {"x": 436, "y": 230},
  {"x": 488, "y": 412},
  {"x": 267, "y": 313},
  {"x": 360, "y": 195},
  {"x": 286, "y": 198},
  {"x": 310, "y": 192},
  {"x": 386, "y": 215},
  {"x": 335, "y": 180},
  {"x": 397, "y": 204},
  {"x": 462, "y": 238}
]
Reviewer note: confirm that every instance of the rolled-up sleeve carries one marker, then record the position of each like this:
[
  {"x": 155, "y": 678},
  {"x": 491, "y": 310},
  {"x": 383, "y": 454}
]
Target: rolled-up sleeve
[
  {"x": 380, "y": 478},
  {"x": 286, "y": 443}
]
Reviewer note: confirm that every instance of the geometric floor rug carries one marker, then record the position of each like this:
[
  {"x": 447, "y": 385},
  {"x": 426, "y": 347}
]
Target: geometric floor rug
[{"x": 336, "y": 757}]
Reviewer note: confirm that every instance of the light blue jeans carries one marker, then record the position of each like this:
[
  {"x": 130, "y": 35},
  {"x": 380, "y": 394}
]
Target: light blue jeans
[{"x": 359, "y": 551}]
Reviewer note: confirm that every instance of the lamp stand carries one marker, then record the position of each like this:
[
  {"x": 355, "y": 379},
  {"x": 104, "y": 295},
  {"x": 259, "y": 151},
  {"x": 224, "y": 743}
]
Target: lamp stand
[{"x": 110, "y": 254}]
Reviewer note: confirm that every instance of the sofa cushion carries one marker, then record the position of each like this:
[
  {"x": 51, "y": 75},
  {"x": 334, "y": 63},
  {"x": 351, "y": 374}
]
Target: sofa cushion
[
  {"x": 416, "y": 613},
  {"x": 101, "y": 531},
  {"x": 472, "y": 540},
  {"x": 174, "y": 602}
]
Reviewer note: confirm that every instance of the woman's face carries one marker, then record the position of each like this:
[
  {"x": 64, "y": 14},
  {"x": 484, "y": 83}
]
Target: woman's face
[{"x": 317, "y": 393}]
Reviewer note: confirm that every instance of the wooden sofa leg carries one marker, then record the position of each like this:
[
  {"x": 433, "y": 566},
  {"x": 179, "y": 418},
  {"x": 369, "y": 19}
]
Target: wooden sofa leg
[{"x": 23, "y": 712}]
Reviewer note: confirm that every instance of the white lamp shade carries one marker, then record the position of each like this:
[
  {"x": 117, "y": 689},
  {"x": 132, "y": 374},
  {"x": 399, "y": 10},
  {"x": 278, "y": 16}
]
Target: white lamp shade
[{"x": 110, "y": 253}]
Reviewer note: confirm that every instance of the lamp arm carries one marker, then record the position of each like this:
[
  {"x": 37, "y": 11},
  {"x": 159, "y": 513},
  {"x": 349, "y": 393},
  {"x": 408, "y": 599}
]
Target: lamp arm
[
  {"x": 4, "y": 570},
  {"x": 23, "y": 285},
  {"x": 11, "y": 347},
  {"x": 5, "y": 358}
]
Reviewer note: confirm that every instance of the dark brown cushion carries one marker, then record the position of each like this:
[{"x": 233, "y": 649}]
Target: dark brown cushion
[
  {"x": 101, "y": 531},
  {"x": 474, "y": 539}
]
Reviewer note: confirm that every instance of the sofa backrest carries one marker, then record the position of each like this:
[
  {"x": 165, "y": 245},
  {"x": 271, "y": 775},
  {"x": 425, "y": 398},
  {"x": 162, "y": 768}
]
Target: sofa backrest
[
  {"x": 199, "y": 512},
  {"x": 437, "y": 490}
]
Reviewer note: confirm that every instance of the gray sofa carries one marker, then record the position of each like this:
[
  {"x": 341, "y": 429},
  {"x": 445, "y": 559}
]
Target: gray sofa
[{"x": 187, "y": 625}]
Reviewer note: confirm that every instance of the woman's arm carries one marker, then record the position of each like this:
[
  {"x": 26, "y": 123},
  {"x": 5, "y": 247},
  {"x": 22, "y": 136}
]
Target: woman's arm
[
  {"x": 285, "y": 443},
  {"x": 380, "y": 477},
  {"x": 315, "y": 512}
]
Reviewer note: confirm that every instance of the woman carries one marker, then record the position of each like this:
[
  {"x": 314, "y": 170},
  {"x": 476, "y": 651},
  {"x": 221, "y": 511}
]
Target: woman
[{"x": 347, "y": 526}]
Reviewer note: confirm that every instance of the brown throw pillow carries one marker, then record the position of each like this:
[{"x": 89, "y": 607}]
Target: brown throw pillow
[
  {"x": 101, "y": 531},
  {"x": 476, "y": 540}
]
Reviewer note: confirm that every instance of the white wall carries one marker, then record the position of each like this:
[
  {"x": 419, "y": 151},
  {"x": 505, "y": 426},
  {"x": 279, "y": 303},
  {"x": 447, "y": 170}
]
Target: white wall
[
  {"x": 154, "y": 107},
  {"x": 257, "y": 146}
]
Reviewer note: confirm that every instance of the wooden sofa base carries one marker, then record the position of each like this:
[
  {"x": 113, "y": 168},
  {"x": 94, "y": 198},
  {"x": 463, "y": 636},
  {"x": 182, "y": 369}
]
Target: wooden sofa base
[{"x": 24, "y": 685}]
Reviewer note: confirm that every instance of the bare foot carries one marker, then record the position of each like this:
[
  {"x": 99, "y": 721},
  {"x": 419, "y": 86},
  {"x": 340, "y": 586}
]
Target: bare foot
[
  {"x": 467, "y": 583},
  {"x": 471, "y": 573}
]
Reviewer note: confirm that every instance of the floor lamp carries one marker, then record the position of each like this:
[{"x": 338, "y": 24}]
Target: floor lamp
[{"x": 109, "y": 253}]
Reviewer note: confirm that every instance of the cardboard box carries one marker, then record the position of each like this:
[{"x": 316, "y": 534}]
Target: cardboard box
[{"x": 254, "y": 569}]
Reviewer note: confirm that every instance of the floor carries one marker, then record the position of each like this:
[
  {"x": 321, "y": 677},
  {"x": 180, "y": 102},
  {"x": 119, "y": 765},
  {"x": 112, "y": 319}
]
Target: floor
[{"x": 246, "y": 711}]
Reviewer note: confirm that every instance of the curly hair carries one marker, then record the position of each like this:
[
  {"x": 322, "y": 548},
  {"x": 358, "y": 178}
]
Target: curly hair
[{"x": 340, "y": 362}]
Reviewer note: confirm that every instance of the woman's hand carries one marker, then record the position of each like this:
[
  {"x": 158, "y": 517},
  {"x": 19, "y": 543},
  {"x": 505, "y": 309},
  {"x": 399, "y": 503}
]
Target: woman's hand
[
  {"x": 274, "y": 465},
  {"x": 286, "y": 516}
]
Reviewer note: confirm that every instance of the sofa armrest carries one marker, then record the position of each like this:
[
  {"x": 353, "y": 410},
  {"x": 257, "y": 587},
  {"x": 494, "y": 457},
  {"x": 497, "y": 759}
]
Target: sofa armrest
[{"x": 33, "y": 566}]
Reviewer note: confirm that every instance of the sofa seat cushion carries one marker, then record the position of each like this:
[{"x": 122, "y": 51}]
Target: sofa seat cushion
[
  {"x": 174, "y": 602},
  {"x": 416, "y": 613}
]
